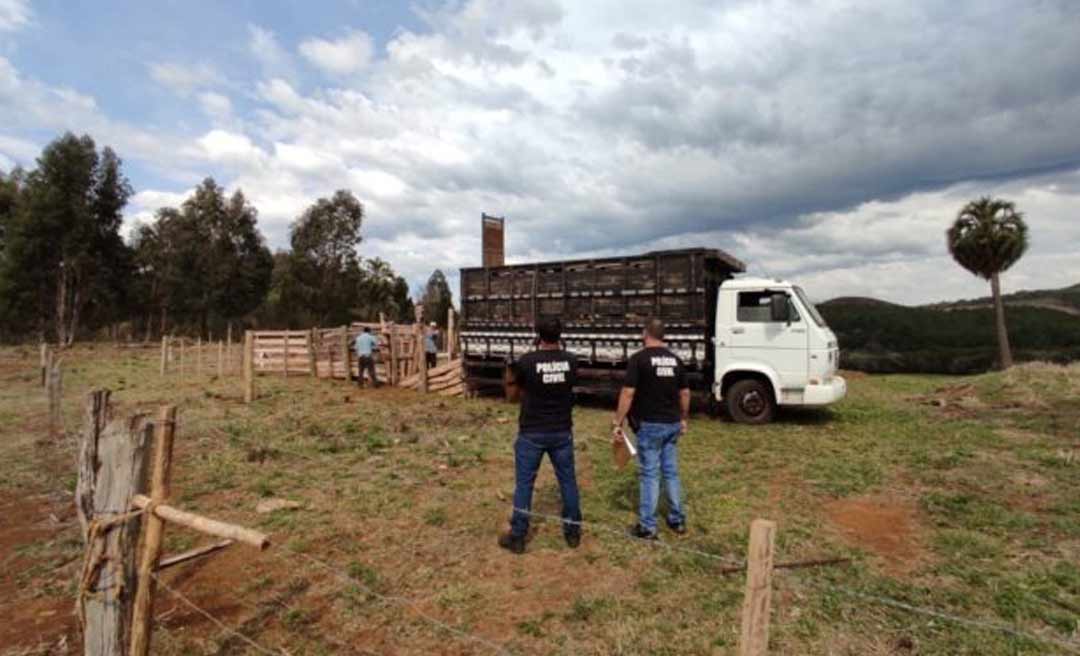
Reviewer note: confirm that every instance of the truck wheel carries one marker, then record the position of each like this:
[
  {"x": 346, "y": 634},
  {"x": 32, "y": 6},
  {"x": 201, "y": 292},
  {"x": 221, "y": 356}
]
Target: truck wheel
[{"x": 750, "y": 401}]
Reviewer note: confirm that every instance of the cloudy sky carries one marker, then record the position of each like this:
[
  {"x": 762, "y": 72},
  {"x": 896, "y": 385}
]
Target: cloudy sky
[{"x": 827, "y": 141}]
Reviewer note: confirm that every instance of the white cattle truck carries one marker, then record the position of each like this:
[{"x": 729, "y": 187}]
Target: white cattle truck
[{"x": 752, "y": 344}]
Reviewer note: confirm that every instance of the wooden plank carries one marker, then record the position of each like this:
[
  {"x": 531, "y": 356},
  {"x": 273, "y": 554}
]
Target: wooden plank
[
  {"x": 154, "y": 528},
  {"x": 55, "y": 389},
  {"x": 754, "y": 639},
  {"x": 249, "y": 367}
]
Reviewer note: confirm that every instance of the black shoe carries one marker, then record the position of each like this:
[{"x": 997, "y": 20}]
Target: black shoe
[
  {"x": 678, "y": 529},
  {"x": 512, "y": 543},
  {"x": 638, "y": 531},
  {"x": 573, "y": 539}
]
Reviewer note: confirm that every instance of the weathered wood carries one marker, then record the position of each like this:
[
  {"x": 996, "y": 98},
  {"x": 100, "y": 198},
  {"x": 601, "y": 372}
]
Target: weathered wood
[
  {"x": 164, "y": 353},
  {"x": 754, "y": 639},
  {"x": 451, "y": 338},
  {"x": 249, "y": 367},
  {"x": 422, "y": 361},
  {"x": 221, "y": 359},
  {"x": 312, "y": 363},
  {"x": 192, "y": 554},
  {"x": 228, "y": 346},
  {"x": 395, "y": 371},
  {"x": 154, "y": 528},
  {"x": 204, "y": 524},
  {"x": 345, "y": 352},
  {"x": 285, "y": 356},
  {"x": 54, "y": 387},
  {"x": 182, "y": 349},
  {"x": 112, "y": 469},
  {"x": 44, "y": 358},
  {"x": 198, "y": 356}
]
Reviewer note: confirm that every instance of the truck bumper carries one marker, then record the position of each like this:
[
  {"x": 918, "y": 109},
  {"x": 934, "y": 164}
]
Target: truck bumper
[{"x": 824, "y": 394}]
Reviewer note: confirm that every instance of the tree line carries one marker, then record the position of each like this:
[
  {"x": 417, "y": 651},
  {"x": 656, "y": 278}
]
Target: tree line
[{"x": 67, "y": 273}]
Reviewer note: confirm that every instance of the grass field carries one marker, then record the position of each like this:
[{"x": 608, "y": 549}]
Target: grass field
[{"x": 960, "y": 495}]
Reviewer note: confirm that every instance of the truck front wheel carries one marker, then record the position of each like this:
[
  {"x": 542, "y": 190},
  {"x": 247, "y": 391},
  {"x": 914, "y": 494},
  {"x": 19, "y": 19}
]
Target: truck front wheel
[{"x": 750, "y": 401}]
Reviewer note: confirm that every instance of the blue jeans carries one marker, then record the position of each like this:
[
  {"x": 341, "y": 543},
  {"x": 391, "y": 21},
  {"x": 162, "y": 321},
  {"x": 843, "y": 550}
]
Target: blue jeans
[
  {"x": 658, "y": 453},
  {"x": 529, "y": 450}
]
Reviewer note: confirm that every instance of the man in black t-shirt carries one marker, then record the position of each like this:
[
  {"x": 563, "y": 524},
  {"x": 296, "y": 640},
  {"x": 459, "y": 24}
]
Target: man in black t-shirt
[
  {"x": 544, "y": 379},
  {"x": 656, "y": 397}
]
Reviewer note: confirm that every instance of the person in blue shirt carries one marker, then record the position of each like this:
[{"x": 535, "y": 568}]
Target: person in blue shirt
[
  {"x": 431, "y": 350},
  {"x": 365, "y": 346}
]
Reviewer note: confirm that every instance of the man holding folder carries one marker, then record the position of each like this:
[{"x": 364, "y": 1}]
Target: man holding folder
[{"x": 656, "y": 398}]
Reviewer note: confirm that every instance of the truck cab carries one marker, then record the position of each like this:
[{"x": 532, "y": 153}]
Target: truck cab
[{"x": 772, "y": 348}]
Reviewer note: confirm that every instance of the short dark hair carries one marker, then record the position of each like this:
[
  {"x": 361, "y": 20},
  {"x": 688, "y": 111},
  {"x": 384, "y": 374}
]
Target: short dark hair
[
  {"x": 367, "y": 329},
  {"x": 654, "y": 328},
  {"x": 549, "y": 329}
]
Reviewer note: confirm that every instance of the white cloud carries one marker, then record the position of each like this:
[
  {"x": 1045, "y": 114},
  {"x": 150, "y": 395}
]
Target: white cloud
[
  {"x": 17, "y": 152},
  {"x": 14, "y": 14},
  {"x": 230, "y": 147},
  {"x": 215, "y": 105},
  {"x": 264, "y": 47},
  {"x": 350, "y": 54},
  {"x": 184, "y": 79}
]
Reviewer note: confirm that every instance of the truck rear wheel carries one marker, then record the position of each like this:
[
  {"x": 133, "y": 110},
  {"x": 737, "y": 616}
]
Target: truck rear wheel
[{"x": 750, "y": 401}]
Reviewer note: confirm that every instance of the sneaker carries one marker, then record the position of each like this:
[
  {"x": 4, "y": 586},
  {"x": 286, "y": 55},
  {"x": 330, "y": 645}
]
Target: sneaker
[
  {"x": 638, "y": 531},
  {"x": 678, "y": 529},
  {"x": 512, "y": 543},
  {"x": 573, "y": 539}
]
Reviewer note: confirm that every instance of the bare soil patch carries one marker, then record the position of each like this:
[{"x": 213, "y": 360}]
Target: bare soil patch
[{"x": 886, "y": 528}]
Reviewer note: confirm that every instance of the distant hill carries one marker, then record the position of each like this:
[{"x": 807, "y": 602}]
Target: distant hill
[{"x": 956, "y": 337}]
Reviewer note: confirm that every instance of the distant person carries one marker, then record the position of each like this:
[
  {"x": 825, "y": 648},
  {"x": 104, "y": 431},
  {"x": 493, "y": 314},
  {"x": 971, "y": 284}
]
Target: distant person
[
  {"x": 656, "y": 398},
  {"x": 544, "y": 380},
  {"x": 366, "y": 345},
  {"x": 431, "y": 348}
]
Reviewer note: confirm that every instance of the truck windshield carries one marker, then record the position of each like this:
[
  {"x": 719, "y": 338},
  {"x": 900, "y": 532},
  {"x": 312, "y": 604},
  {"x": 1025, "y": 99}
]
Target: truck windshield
[{"x": 810, "y": 307}]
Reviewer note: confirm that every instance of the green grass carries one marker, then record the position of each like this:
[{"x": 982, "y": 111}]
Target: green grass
[{"x": 405, "y": 495}]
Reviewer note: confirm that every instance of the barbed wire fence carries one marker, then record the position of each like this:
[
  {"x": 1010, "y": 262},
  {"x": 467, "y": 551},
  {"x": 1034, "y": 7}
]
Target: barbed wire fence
[{"x": 346, "y": 579}]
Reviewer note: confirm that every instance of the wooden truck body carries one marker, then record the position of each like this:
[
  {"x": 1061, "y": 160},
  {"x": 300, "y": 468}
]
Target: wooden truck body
[{"x": 603, "y": 304}]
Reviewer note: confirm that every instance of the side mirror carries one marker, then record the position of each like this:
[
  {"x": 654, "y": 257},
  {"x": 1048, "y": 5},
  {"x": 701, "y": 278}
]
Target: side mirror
[{"x": 779, "y": 309}]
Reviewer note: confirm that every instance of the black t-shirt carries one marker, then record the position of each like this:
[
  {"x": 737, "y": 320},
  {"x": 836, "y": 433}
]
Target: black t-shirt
[
  {"x": 657, "y": 375},
  {"x": 547, "y": 381}
]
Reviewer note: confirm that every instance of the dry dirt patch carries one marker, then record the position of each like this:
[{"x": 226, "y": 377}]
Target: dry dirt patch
[{"x": 887, "y": 528}]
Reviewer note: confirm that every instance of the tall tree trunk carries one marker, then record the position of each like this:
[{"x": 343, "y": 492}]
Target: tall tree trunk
[
  {"x": 1004, "y": 352},
  {"x": 73, "y": 327},
  {"x": 61, "y": 305}
]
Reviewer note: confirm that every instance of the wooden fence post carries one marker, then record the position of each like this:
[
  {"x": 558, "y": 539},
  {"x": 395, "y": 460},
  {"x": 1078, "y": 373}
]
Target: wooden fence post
[
  {"x": 161, "y": 476},
  {"x": 112, "y": 470},
  {"x": 312, "y": 360},
  {"x": 394, "y": 375},
  {"x": 44, "y": 363},
  {"x": 221, "y": 359},
  {"x": 451, "y": 340},
  {"x": 249, "y": 366},
  {"x": 422, "y": 360},
  {"x": 54, "y": 387},
  {"x": 329, "y": 353},
  {"x": 345, "y": 352},
  {"x": 228, "y": 347},
  {"x": 164, "y": 353},
  {"x": 182, "y": 340},
  {"x": 285, "y": 357},
  {"x": 754, "y": 640},
  {"x": 198, "y": 356}
]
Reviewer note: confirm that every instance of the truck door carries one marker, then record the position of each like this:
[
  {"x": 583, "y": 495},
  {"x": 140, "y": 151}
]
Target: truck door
[{"x": 756, "y": 337}]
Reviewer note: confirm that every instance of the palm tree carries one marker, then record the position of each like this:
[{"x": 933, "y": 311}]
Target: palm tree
[{"x": 987, "y": 238}]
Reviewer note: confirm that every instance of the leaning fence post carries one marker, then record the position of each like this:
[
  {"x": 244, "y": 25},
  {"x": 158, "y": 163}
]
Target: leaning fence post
[
  {"x": 451, "y": 339},
  {"x": 112, "y": 470},
  {"x": 161, "y": 475},
  {"x": 754, "y": 640},
  {"x": 394, "y": 374},
  {"x": 54, "y": 387},
  {"x": 312, "y": 360}
]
